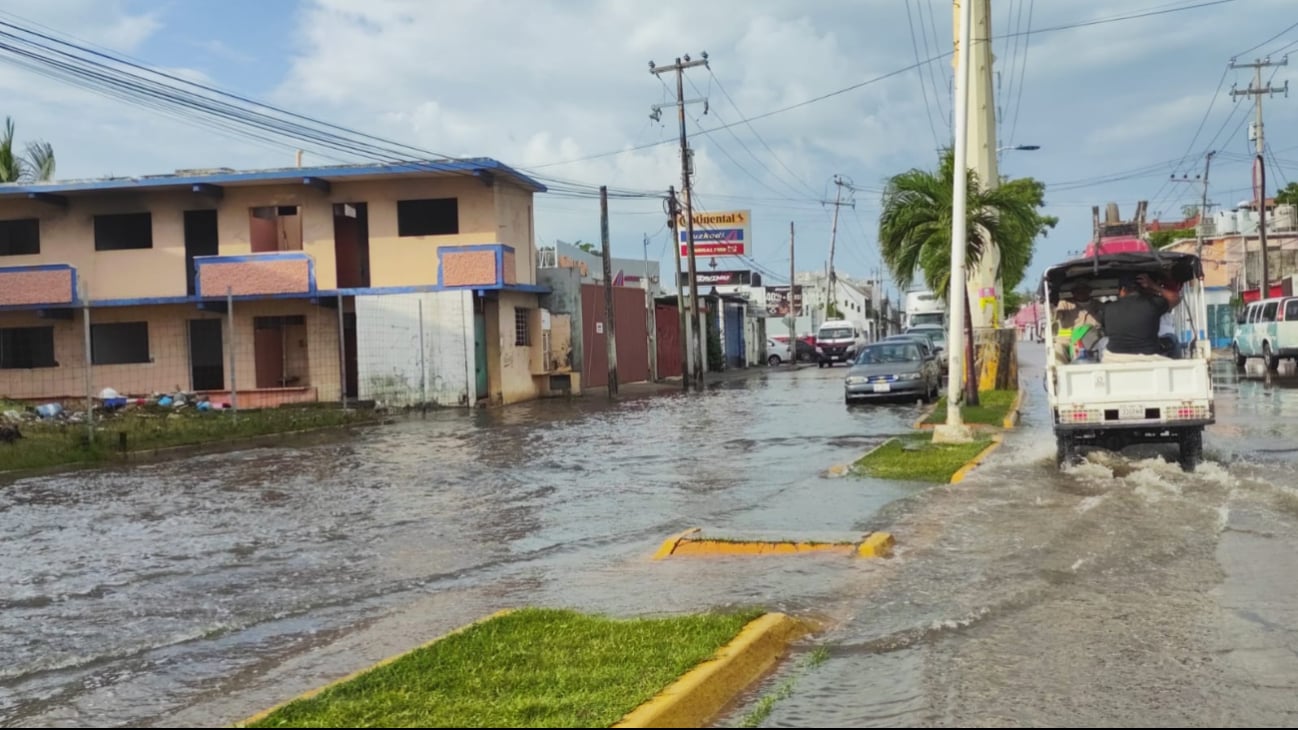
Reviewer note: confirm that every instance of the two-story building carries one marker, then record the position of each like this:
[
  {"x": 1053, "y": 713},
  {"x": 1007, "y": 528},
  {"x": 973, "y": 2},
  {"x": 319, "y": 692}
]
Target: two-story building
[{"x": 401, "y": 283}]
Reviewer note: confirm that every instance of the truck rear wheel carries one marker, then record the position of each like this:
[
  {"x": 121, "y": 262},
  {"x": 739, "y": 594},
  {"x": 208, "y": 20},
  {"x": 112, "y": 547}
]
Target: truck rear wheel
[
  {"x": 1065, "y": 450},
  {"x": 1191, "y": 449}
]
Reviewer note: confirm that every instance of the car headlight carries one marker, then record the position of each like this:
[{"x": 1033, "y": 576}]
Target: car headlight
[
  {"x": 908, "y": 376},
  {"x": 855, "y": 380}
]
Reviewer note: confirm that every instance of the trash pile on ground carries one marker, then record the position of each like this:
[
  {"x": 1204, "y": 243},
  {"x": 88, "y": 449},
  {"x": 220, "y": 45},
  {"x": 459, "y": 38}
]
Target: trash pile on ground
[{"x": 109, "y": 404}]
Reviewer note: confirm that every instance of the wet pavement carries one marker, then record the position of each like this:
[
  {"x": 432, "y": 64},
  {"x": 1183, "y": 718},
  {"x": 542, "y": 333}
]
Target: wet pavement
[
  {"x": 197, "y": 592},
  {"x": 1122, "y": 592}
]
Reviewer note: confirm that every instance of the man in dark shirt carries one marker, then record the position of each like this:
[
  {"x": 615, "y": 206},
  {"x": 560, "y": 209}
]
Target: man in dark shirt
[{"x": 1131, "y": 321}]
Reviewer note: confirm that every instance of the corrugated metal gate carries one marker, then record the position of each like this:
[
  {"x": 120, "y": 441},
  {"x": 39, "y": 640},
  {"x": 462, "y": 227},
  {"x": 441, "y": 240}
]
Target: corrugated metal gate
[{"x": 632, "y": 335}]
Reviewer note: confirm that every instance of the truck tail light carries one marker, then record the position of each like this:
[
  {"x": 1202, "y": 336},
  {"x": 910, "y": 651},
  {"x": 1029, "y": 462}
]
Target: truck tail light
[
  {"x": 1078, "y": 415},
  {"x": 1187, "y": 412}
]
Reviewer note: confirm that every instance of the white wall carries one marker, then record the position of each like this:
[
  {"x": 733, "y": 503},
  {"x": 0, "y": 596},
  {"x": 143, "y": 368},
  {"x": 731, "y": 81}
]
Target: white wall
[{"x": 389, "y": 363}]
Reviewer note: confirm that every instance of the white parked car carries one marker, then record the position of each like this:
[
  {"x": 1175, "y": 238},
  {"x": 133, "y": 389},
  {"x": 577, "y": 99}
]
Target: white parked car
[{"x": 777, "y": 352}]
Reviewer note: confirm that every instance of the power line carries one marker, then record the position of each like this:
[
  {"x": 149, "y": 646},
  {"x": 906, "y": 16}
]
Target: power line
[
  {"x": 759, "y": 137},
  {"x": 1018, "y": 101},
  {"x": 928, "y": 109},
  {"x": 932, "y": 73},
  {"x": 1263, "y": 43}
]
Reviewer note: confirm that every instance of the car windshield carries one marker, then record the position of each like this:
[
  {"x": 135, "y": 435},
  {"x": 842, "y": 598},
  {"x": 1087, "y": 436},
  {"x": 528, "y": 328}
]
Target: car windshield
[
  {"x": 889, "y": 352},
  {"x": 926, "y": 318},
  {"x": 837, "y": 333}
]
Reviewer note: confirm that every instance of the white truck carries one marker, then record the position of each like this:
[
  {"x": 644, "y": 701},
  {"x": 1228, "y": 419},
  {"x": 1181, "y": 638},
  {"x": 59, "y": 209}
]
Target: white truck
[
  {"x": 838, "y": 340},
  {"x": 1113, "y": 405},
  {"x": 922, "y": 308}
]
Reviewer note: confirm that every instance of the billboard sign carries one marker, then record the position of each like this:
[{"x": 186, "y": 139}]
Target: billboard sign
[
  {"x": 718, "y": 278},
  {"x": 725, "y": 233},
  {"x": 777, "y": 301}
]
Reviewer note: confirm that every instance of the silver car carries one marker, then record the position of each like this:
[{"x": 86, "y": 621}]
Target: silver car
[{"x": 893, "y": 369}]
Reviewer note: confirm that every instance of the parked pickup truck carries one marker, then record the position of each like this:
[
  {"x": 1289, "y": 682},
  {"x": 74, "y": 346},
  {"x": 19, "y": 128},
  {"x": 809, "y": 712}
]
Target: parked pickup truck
[{"x": 1112, "y": 405}]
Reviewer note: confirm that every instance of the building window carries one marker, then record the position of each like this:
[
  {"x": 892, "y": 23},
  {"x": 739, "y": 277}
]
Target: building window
[
  {"x": 429, "y": 217},
  {"x": 119, "y": 343},
  {"x": 27, "y": 347},
  {"x": 522, "y": 335},
  {"x": 20, "y": 237},
  {"x": 123, "y": 231}
]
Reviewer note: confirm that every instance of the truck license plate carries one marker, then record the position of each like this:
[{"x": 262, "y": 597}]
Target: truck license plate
[
  {"x": 1131, "y": 413},
  {"x": 882, "y": 388}
]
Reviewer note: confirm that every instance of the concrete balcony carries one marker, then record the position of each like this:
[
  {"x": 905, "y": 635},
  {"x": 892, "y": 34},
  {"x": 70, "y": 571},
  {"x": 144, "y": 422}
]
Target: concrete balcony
[{"x": 277, "y": 273}]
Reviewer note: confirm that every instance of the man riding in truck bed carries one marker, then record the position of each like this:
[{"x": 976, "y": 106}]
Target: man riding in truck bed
[
  {"x": 1074, "y": 320},
  {"x": 1131, "y": 321}
]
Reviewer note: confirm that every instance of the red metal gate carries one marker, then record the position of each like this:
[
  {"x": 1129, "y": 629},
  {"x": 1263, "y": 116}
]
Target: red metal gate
[
  {"x": 632, "y": 335},
  {"x": 668, "y": 321}
]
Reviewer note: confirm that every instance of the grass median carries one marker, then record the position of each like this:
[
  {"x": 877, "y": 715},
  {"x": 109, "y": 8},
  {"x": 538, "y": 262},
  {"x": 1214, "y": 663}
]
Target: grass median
[
  {"x": 52, "y": 443},
  {"x": 993, "y": 406},
  {"x": 916, "y": 458},
  {"x": 528, "y": 668}
]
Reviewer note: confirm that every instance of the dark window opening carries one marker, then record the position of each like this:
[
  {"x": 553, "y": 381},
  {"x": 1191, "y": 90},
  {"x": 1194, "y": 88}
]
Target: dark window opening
[
  {"x": 429, "y": 217},
  {"x": 1291, "y": 310},
  {"x": 27, "y": 347},
  {"x": 119, "y": 343},
  {"x": 123, "y": 231},
  {"x": 20, "y": 237},
  {"x": 522, "y": 335}
]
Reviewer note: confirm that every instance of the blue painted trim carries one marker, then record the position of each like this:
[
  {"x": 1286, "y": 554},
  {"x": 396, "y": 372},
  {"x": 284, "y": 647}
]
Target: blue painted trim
[
  {"x": 319, "y": 294},
  {"x": 289, "y": 175},
  {"x": 200, "y": 261},
  {"x": 72, "y": 295}
]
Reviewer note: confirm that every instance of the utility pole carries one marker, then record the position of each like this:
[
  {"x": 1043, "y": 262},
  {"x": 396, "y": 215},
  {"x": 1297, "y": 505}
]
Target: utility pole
[
  {"x": 983, "y": 284},
  {"x": 1203, "y": 207},
  {"x": 793, "y": 312},
  {"x": 610, "y": 336},
  {"x": 1256, "y": 91},
  {"x": 651, "y": 313},
  {"x": 686, "y": 351},
  {"x": 699, "y": 337},
  {"x": 833, "y": 235}
]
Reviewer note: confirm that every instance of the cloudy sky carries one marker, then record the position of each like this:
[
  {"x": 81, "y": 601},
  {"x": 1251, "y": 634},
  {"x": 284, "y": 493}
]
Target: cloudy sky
[{"x": 562, "y": 88}]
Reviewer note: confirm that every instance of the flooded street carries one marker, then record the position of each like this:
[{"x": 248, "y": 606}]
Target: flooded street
[
  {"x": 197, "y": 592},
  {"x": 1122, "y": 592}
]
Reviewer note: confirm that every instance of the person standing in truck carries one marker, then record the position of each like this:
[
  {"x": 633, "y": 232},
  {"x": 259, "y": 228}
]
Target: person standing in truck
[{"x": 1131, "y": 321}]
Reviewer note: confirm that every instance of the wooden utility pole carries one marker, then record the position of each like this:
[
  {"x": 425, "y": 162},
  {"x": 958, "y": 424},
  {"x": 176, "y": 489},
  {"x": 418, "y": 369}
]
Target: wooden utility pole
[
  {"x": 610, "y": 336},
  {"x": 700, "y": 336},
  {"x": 651, "y": 315},
  {"x": 793, "y": 312},
  {"x": 1203, "y": 208},
  {"x": 832, "y": 294},
  {"x": 1256, "y": 90},
  {"x": 686, "y": 350}
]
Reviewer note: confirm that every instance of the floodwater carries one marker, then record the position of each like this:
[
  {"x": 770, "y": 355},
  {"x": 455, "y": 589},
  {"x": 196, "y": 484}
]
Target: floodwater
[
  {"x": 197, "y": 592},
  {"x": 1122, "y": 592}
]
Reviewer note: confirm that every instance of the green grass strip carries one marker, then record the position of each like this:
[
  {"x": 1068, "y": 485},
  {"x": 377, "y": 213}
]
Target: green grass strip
[
  {"x": 918, "y": 459},
  {"x": 529, "y": 668},
  {"x": 48, "y": 444},
  {"x": 993, "y": 406}
]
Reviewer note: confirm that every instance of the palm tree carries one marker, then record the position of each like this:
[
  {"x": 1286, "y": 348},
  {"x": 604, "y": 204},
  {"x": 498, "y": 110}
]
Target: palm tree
[
  {"x": 915, "y": 231},
  {"x": 35, "y": 165}
]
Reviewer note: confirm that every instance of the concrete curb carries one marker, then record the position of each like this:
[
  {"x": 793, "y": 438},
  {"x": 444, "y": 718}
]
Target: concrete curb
[
  {"x": 697, "y": 697},
  {"x": 963, "y": 471},
  {"x": 313, "y": 692},
  {"x": 1014, "y": 414},
  {"x": 919, "y": 425},
  {"x": 886, "y": 441}
]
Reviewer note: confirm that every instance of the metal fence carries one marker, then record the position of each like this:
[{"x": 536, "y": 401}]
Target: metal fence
[{"x": 151, "y": 369}]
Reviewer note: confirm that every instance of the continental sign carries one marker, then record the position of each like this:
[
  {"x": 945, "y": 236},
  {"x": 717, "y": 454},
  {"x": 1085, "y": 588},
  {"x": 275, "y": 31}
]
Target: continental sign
[{"x": 723, "y": 233}]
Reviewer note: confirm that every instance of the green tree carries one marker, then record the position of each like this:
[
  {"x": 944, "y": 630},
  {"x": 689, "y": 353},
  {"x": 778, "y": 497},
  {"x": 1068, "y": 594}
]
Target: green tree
[
  {"x": 588, "y": 247},
  {"x": 36, "y": 164},
  {"x": 915, "y": 229},
  {"x": 1288, "y": 194}
]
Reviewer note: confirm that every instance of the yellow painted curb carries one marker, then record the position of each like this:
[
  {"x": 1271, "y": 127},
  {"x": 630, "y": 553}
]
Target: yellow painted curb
[
  {"x": 1012, "y": 416},
  {"x": 697, "y": 697},
  {"x": 919, "y": 425},
  {"x": 669, "y": 545},
  {"x": 312, "y": 693},
  {"x": 876, "y": 545},
  {"x": 963, "y": 471},
  {"x": 873, "y": 545}
]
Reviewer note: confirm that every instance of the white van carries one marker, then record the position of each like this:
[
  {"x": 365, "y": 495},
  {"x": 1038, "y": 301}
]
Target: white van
[
  {"x": 1267, "y": 329},
  {"x": 838, "y": 340}
]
